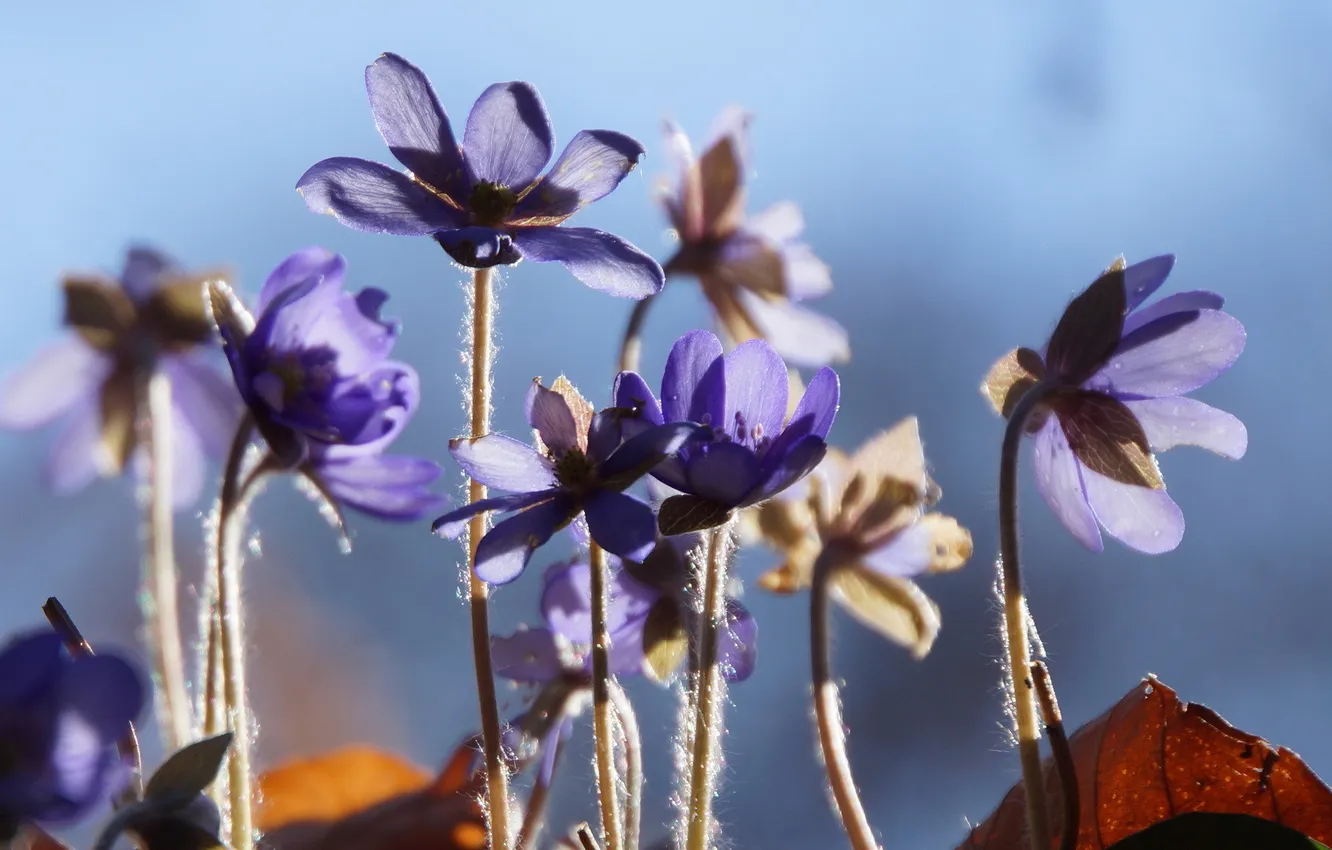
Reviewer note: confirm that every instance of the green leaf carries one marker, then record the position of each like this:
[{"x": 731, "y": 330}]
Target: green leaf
[
  {"x": 191, "y": 770},
  {"x": 1207, "y": 831}
]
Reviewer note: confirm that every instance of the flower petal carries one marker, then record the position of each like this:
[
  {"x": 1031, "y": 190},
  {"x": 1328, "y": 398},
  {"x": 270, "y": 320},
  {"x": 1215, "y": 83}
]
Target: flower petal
[
  {"x": 389, "y": 487},
  {"x": 933, "y": 543},
  {"x": 620, "y": 524},
  {"x": 318, "y": 271},
  {"x": 1060, "y": 479},
  {"x": 478, "y": 247},
  {"x": 75, "y": 454},
  {"x": 188, "y": 469},
  {"x": 51, "y": 384},
  {"x": 503, "y": 553},
  {"x": 455, "y": 521},
  {"x": 566, "y": 601},
  {"x": 1144, "y": 278},
  {"x": 631, "y": 391},
  {"x": 29, "y": 665},
  {"x": 737, "y": 644},
  {"x": 508, "y": 139},
  {"x": 1141, "y": 518},
  {"x": 1179, "y": 421},
  {"x": 756, "y": 392},
  {"x": 591, "y": 166},
  {"x": 106, "y": 692},
  {"x": 209, "y": 403},
  {"x": 641, "y": 453},
  {"x": 1179, "y": 302},
  {"x": 806, "y": 275},
  {"x": 143, "y": 270},
  {"x": 783, "y": 468},
  {"x": 801, "y": 336},
  {"x": 414, "y": 125},
  {"x": 1172, "y": 355},
  {"x": 527, "y": 655},
  {"x": 693, "y": 387},
  {"x": 374, "y": 198},
  {"x": 503, "y": 462},
  {"x": 723, "y": 472},
  {"x": 549, "y": 415},
  {"x": 604, "y": 262},
  {"x": 778, "y": 223},
  {"x": 818, "y": 406}
]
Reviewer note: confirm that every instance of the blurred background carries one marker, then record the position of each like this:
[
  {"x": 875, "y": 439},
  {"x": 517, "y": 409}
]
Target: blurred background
[{"x": 964, "y": 169}]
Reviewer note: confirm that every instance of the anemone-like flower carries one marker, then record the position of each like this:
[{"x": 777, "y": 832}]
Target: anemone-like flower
[
  {"x": 60, "y": 719},
  {"x": 485, "y": 201},
  {"x": 864, "y": 517},
  {"x": 150, "y": 319},
  {"x": 1114, "y": 382},
  {"x": 752, "y": 452},
  {"x": 315, "y": 373},
  {"x": 580, "y": 465},
  {"x": 753, "y": 272}
]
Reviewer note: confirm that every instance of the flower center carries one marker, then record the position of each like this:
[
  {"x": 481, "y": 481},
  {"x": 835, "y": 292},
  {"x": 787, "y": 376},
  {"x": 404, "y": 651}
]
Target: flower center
[
  {"x": 490, "y": 203},
  {"x": 574, "y": 470},
  {"x": 750, "y": 437},
  {"x": 293, "y": 377}
]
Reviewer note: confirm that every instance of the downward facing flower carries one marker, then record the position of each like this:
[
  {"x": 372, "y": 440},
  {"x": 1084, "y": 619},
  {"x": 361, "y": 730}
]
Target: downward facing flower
[
  {"x": 485, "y": 201},
  {"x": 149, "y": 320},
  {"x": 753, "y": 272},
  {"x": 60, "y": 718},
  {"x": 1111, "y": 391},
  {"x": 315, "y": 373},
  {"x": 751, "y": 452},
  {"x": 580, "y": 465}
]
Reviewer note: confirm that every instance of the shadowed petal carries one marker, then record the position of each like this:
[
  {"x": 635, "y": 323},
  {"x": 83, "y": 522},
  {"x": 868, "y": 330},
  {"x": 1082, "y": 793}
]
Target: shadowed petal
[
  {"x": 208, "y": 401},
  {"x": 641, "y": 453},
  {"x": 374, "y": 198},
  {"x": 723, "y": 472},
  {"x": 1144, "y": 278},
  {"x": 801, "y": 336},
  {"x": 620, "y": 524},
  {"x": 389, "y": 487},
  {"x": 1179, "y": 421},
  {"x": 601, "y": 260},
  {"x": 549, "y": 415},
  {"x": 737, "y": 644},
  {"x": 414, "y": 125},
  {"x": 527, "y": 655},
  {"x": 1172, "y": 355},
  {"x": 591, "y": 166},
  {"x": 53, "y": 382},
  {"x": 454, "y": 522},
  {"x": 503, "y": 553},
  {"x": 75, "y": 455},
  {"x": 756, "y": 391},
  {"x": 508, "y": 139},
  {"x": 813, "y": 416},
  {"x": 1179, "y": 302},
  {"x": 1139, "y": 517},
  {"x": 106, "y": 692},
  {"x": 1060, "y": 477},
  {"x": 478, "y": 247},
  {"x": 693, "y": 387},
  {"x": 503, "y": 462},
  {"x": 631, "y": 391},
  {"x": 782, "y": 469}
]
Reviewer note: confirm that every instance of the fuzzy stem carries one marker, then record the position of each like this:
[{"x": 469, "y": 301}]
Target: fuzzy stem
[
  {"x": 1063, "y": 755},
  {"x": 828, "y": 714},
  {"x": 708, "y": 703},
  {"x": 585, "y": 837},
  {"x": 1015, "y": 624},
  {"x": 535, "y": 812},
  {"x": 632, "y": 345},
  {"x": 158, "y": 599},
  {"x": 497, "y": 780},
  {"x": 633, "y": 765},
  {"x": 601, "y": 707}
]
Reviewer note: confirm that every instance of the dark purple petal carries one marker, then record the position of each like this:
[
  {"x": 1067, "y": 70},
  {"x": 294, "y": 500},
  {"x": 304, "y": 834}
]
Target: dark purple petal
[
  {"x": 503, "y": 462},
  {"x": 360, "y": 416},
  {"x": 105, "y": 692},
  {"x": 143, "y": 270},
  {"x": 693, "y": 387},
  {"x": 591, "y": 166},
  {"x": 1178, "y": 421},
  {"x": 508, "y": 139},
  {"x": 414, "y": 125},
  {"x": 478, "y": 247},
  {"x": 784, "y": 468},
  {"x": 604, "y": 262},
  {"x": 54, "y": 382},
  {"x": 723, "y": 472},
  {"x": 640, "y": 454},
  {"x": 1144, "y": 278},
  {"x": 76, "y": 454},
  {"x": 756, "y": 391},
  {"x": 907, "y": 553},
  {"x": 527, "y": 655},
  {"x": 30, "y": 665},
  {"x": 549, "y": 415},
  {"x": 455, "y": 522},
  {"x": 632, "y": 392},
  {"x": 1179, "y": 302},
  {"x": 605, "y": 434},
  {"x": 1139, "y": 517},
  {"x": 1059, "y": 478},
  {"x": 374, "y": 198},
  {"x": 737, "y": 644},
  {"x": 503, "y": 553},
  {"x": 801, "y": 336},
  {"x": 1173, "y": 355},
  {"x": 620, "y": 524},
  {"x": 388, "y": 487},
  {"x": 206, "y": 399}
]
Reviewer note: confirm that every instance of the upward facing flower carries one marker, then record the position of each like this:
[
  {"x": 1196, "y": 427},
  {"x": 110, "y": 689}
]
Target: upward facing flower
[
  {"x": 1114, "y": 379},
  {"x": 485, "y": 201},
  {"x": 315, "y": 374},
  {"x": 150, "y": 319},
  {"x": 753, "y": 272}
]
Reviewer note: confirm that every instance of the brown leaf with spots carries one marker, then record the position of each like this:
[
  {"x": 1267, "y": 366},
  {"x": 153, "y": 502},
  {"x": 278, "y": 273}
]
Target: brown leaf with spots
[
  {"x": 1154, "y": 756},
  {"x": 1105, "y": 435},
  {"x": 1010, "y": 377}
]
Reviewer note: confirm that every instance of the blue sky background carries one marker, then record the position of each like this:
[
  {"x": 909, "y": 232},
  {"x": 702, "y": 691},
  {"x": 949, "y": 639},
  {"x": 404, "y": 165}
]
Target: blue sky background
[{"x": 964, "y": 169}]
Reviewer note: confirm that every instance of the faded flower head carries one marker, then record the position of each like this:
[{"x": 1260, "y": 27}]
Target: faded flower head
[
  {"x": 752, "y": 452},
  {"x": 60, "y": 719},
  {"x": 753, "y": 272},
  {"x": 315, "y": 373},
  {"x": 485, "y": 201},
  {"x": 1113, "y": 383},
  {"x": 865, "y": 519},
  {"x": 580, "y": 465},
  {"x": 125, "y": 330}
]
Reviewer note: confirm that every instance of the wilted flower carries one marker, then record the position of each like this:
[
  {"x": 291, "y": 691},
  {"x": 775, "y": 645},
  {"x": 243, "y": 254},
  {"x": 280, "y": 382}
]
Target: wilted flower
[
  {"x": 60, "y": 719},
  {"x": 580, "y": 465},
  {"x": 149, "y": 320},
  {"x": 485, "y": 201},
  {"x": 753, "y": 272},
  {"x": 741, "y": 397},
  {"x": 864, "y": 518},
  {"x": 1113, "y": 382},
  {"x": 315, "y": 374}
]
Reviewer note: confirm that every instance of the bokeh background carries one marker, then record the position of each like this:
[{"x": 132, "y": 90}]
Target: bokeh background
[{"x": 964, "y": 168}]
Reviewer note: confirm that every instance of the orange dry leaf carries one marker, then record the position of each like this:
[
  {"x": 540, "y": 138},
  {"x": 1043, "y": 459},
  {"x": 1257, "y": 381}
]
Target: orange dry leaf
[
  {"x": 334, "y": 785},
  {"x": 1152, "y": 757}
]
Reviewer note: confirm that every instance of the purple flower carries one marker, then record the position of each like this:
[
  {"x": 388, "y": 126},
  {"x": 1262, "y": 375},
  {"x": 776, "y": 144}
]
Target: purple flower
[
  {"x": 1115, "y": 377},
  {"x": 750, "y": 455},
  {"x": 60, "y": 718},
  {"x": 314, "y": 372},
  {"x": 755, "y": 272},
  {"x": 123, "y": 331},
  {"x": 580, "y": 466},
  {"x": 484, "y": 201}
]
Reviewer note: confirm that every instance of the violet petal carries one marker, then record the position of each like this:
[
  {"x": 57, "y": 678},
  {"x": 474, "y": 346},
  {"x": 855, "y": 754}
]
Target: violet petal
[
  {"x": 414, "y": 125},
  {"x": 601, "y": 260},
  {"x": 693, "y": 387},
  {"x": 509, "y": 138},
  {"x": 1059, "y": 478},
  {"x": 1179, "y": 421},
  {"x": 620, "y": 524},
  {"x": 52, "y": 383},
  {"x": 374, "y": 198},
  {"x": 503, "y": 553},
  {"x": 591, "y": 166},
  {"x": 1139, "y": 517},
  {"x": 503, "y": 462}
]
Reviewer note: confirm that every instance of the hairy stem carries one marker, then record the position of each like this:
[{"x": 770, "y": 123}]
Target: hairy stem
[
  {"x": 632, "y": 345},
  {"x": 607, "y": 789},
  {"x": 633, "y": 765},
  {"x": 828, "y": 714},
  {"x": 1063, "y": 755},
  {"x": 534, "y": 815},
  {"x": 708, "y": 703}
]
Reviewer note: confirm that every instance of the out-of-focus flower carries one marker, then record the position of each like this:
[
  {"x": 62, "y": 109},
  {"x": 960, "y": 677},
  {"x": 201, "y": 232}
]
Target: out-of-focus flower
[
  {"x": 60, "y": 719},
  {"x": 864, "y": 519},
  {"x": 1114, "y": 380},
  {"x": 753, "y": 452},
  {"x": 314, "y": 372},
  {"x": 485, "y": 200},
  {"x": 580, "y": 465},
  {"x": 754, "y": 272},
  {"x": 151, "y": 319}
]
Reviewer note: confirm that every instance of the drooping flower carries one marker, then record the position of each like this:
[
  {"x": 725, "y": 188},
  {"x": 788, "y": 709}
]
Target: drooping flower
[
  {"x": 753, "y": 452},
  {"x": 864, "y": 517},
  {"x": 754, "y": 272},
  {"x": 485, "y": 201},
  {"x": 149, "y": 320},
  {"x": 315, "y": 373},
  {"x": 580, "y": 465},
  {"x": 1114, "y": 382},
  {"x": 60, "y": 719}
]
